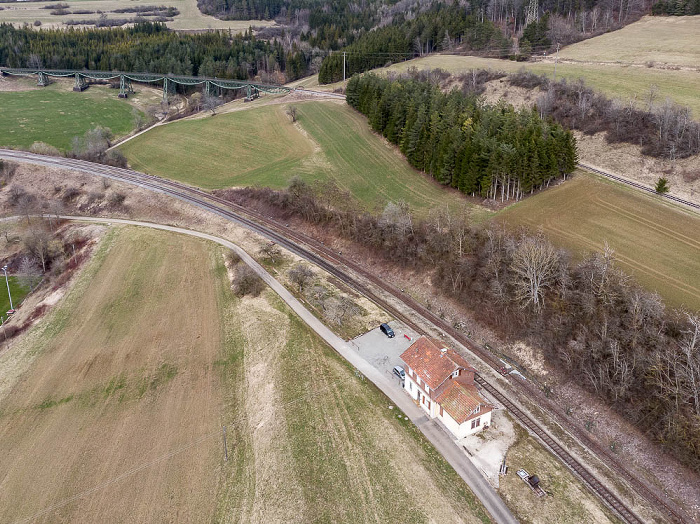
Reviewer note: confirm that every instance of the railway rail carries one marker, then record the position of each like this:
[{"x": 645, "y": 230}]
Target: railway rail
[
  {"x": 329, "y": 260},
  {"x": 642, "y": 187},
  {"x": 560, "y": 452}
]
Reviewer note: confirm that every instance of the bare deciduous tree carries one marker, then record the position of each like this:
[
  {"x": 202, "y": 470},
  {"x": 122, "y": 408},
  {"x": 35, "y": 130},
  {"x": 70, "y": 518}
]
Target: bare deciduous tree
[
  {"x": 397, "y": 217},
  {"x": 292, "y": 113},
  {"x": 42, "y": 245},
  {"x": 271, "y": 252},
  {"x": 339, "y": 310},
  {"x": 210, "y": 103},
  {"x": 29, "y": 274},
  {"x": 534, "y": 264},
  {"x": 301, "y": 275}
]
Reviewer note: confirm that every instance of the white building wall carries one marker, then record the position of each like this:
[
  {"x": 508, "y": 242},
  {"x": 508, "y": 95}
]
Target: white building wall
[
  {"x": 464, "y": 429},
  {"x": 414, "y": 389}
]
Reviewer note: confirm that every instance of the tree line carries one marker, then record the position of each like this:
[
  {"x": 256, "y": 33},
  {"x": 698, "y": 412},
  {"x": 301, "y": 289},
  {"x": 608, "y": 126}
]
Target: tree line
[
  {"x": 150, "y": 47},
  {"x": 593, "y": 322},
  {"x": 442, "y": 27},
  {"x": 492, "y": 151},
  {"x": 676, "y": 7},
  {"x": 662, "y": 128}
]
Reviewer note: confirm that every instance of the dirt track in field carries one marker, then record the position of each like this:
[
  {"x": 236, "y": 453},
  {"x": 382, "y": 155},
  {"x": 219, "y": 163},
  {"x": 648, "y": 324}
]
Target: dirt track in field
[{"x": 123, "y": 385}]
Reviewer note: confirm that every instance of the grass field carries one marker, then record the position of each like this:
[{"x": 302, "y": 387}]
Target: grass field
[
  {"x": 261, "y": 146},
  {"x": 616, "y": 81},
  {"x": 118, "y": 415},
  {"x": 55, "y": 114},
  {"x": 190, "y": 17},
  {"x": 657, "y": 243},
  {"x": 18, "y": 291},
  {"x": 659, "y": 39},
  {"x": 567, "y": 500}
]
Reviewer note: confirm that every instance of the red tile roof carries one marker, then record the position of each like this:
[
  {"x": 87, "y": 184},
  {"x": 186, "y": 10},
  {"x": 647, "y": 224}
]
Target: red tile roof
[
  {"x": 432, "y": 362},
  {"x": 460, "y": 400}
]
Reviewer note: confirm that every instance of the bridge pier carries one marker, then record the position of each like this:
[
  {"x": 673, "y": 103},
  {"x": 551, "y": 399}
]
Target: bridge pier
[
  {"x": 80, "y": 83},
  {"x": 42, "y": 79},
  {"x": 125, "y": 87},
  {"x": 251, "y": 93},
  {"x": 166, "y": 89}
]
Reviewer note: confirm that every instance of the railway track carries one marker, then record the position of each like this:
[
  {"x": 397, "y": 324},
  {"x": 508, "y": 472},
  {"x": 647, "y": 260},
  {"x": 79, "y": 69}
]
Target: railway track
[
  {"x": 329, "y": 260},
  {"x": 590, "y": 479},
  {"x": 642, "y": 187}
]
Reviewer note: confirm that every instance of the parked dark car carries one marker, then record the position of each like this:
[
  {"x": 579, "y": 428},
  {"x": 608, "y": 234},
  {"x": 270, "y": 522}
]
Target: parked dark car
[
  {"x": 386, "y": 329},
  {"x": 399, "y": 372}
]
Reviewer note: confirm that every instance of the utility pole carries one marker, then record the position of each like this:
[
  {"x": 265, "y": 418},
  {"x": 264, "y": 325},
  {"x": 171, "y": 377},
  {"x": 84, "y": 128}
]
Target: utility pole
[
  {"x": 225, "y": 448},
  {"x": 8, "y": 287},
  {"x": 344, "y": 53},
  {"x": 556, "y": 58}
]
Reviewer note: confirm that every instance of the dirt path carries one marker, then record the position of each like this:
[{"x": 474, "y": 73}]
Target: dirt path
[{"x": 239, "y": 105}]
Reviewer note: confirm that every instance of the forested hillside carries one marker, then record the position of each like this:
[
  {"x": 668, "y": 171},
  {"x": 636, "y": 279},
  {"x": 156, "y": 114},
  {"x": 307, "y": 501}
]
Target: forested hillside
[
  {"x": 149, "y": 47},
  {"x": 443, "y": 27},
  {"x": 496, "y": 152}
]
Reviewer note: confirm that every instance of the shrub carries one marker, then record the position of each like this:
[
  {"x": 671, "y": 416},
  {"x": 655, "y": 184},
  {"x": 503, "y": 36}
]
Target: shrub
[
  {"x": 116, "y": 199},
  {"x": 247, "y": 282},
  {"x": 42, "y": 148},
  {"x": 232, "y": 258},
  {"x": 70, "y": 194}
]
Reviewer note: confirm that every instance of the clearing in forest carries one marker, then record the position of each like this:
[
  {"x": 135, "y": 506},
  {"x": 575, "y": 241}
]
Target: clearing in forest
[
  {"x": 653, "y": 240},
  {"x": 119, "y": 413},
  {"x": 261, "y": 146},
  {"x": 55, "y": 114}
]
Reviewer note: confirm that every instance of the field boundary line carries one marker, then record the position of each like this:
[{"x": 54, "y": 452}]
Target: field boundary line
[{"x": 639, "y": 186}]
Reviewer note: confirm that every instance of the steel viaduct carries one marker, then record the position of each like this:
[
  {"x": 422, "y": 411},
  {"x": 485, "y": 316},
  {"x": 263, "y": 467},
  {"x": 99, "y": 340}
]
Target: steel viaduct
[{"x": 168, "y": 81}]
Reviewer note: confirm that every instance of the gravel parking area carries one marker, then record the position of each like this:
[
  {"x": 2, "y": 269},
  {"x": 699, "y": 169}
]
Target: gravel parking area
[{"x": 383, "y": 352}]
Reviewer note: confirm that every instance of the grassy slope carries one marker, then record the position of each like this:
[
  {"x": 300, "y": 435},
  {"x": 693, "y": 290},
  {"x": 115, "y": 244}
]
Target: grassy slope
[
  {"x": 616, "y": 81},
  {"x": 661, "y": 39},
  {"x": 659, "y": 244},
  {"x": 243, "y": 147},
  {"x": 55, "y": 115},
  {"x": 261, "y": 146}
]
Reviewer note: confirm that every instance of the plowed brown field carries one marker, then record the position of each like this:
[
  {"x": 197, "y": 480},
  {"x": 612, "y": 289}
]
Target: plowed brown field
[{"x": 99, "y": 426}]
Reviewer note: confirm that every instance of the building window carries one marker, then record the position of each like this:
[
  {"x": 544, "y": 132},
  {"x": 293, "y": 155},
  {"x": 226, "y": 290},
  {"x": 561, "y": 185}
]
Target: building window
[
  {"x": 410, "y": 385},
  {"x": 478, "y": 408},
  {"x": 440, "y": 410},
  {"x": 476, "y": 423}
]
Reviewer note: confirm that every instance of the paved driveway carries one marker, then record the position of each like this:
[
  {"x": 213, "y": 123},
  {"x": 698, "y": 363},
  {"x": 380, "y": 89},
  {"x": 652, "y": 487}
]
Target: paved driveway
[{"x": 383, "y": 352}]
